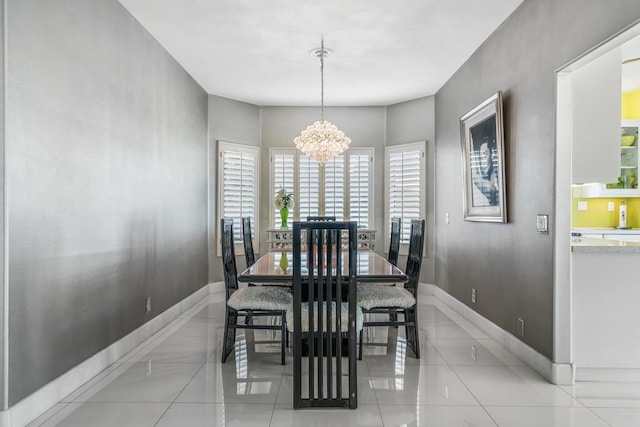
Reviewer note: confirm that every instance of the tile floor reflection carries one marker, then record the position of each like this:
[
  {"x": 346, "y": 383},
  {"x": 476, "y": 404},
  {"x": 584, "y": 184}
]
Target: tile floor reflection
[{"x": 464, "y": 378}]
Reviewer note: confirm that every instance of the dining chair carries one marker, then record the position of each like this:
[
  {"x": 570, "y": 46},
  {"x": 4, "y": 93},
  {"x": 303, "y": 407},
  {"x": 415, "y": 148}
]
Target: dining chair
[
  {"x": 248, "y": 303},
  {"x": 321, "y": 218},
  {"x": 324, "y": 313},
  {"x": 395, "y": 300}
]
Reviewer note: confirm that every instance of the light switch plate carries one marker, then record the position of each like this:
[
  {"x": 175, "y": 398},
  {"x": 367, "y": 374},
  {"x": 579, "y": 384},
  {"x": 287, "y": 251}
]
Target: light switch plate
[
  {"x": 542, "y": 223},
  {"x": 582, "y": 206},
  {"x": 611, "y": 206}
]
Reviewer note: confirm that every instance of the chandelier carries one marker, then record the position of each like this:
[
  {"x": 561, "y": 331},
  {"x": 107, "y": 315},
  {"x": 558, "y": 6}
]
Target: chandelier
[{"x": 322, "y": 141}]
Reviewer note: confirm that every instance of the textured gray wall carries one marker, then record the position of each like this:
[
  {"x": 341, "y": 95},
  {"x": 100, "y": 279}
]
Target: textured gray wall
[
  {"x": 364, "y": 125},
  {"x": 106, "y": 183},
  {"x": 229, "y": 121},
  {"x": 413, "y": 121},
  {"x": 509, "y": 264}
]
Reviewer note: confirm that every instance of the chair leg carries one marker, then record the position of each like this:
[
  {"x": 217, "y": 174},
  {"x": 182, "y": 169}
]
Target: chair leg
[
  {"x": 361, "y": 339},
  {"x": 283, "y": 336},
  {"x": 412, "y": 331},
  {"x": 228, "y": 341}
]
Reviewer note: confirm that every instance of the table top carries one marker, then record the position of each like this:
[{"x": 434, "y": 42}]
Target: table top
[
  {"x": 290, "y": 229},
  {"x": 277, "y": 267}
]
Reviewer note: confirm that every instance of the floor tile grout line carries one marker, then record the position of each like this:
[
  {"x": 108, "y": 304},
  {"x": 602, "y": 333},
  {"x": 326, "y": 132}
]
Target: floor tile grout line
[
  {"x": 460, "y": 379},
  {"x": 52, "y": 415},
  {"x": 197, "y": 370},
  {"x": 598, "y": 415},
  {"x": 182, "y": 390},
  {"x": 138, "y": 351}
]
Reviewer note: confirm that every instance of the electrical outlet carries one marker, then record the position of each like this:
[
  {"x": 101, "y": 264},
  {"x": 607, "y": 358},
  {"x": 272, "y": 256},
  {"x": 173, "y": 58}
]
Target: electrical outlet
[
  {"x": 520, "y": 327},
  {"x": 147, "y": 369},
  {"x": 147, "y": 303},
  {"x": 582, "y": 206},
  {"x": 611, "y": 207},
  {"x": 447, "y": 219},
  {"x": 473, "y": 295},
  {"x": 474, "y": 352}
]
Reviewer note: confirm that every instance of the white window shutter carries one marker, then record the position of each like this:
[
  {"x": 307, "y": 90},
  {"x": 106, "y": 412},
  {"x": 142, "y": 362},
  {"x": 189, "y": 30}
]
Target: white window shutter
[
  {"x": 405, "y": 185},
  {"x": 308, "y": 188},
  {"x": 238, "y": 186},
  {"x": 342, "y": 188},
  {"x": 334, "y": 188},
  {"x": 361, "y": 186},
  {"x": 283, "y": 170}
]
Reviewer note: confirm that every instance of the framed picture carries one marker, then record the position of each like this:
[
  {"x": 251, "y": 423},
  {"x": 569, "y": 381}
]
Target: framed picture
[{"x": 482, "y": 137}]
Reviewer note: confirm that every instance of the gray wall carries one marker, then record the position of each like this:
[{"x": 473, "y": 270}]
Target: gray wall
[
  {"x": 106, "y": 173},
  {"x": 3, "y": 283},
  {"x": 509, "y": 264},
  {"x": 229, "y": 121},
  {"x": 280, "y": 125},
  {"x": 413, "y": 121}
]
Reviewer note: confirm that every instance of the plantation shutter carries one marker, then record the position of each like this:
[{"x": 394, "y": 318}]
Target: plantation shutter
[
  {"x": 405, "y": 185},
  {"x": 283, "y": 170},
  {"x": 334, "y": 188},
  {"x": 360, "y": 186},
  {"x": 308, "y": 188},
  {"x": 238, "y": 185}
]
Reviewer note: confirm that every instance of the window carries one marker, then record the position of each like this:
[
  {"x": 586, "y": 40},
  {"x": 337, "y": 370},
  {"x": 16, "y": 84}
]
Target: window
[
  {"x": 343, "y": 187},
  {"x": 405, "y": 186},
  {"x": 238, "y": 187}
]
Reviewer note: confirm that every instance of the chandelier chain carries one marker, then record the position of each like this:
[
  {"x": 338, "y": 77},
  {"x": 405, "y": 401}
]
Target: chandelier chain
[{"x": 322, "y": 79}]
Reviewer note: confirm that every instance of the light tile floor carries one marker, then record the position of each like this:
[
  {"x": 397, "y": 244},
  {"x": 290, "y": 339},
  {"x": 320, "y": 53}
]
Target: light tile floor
[{"x": 464, "y": 378}]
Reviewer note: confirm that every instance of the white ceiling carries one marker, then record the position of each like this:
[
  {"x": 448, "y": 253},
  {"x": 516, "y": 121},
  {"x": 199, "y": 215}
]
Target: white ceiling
[{"x": 384, "y": 51}]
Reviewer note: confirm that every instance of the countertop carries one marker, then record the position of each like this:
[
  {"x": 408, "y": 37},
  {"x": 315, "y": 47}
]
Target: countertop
[
  {"x": 584, "y": 244},
  {"x": 610, "y": 230}
]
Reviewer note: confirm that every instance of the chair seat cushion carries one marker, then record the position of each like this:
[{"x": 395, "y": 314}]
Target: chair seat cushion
[
  {"x": 344, "y": 314},
  {"x": 260, "y": 298},
  {"x": 372, "y": 296}
]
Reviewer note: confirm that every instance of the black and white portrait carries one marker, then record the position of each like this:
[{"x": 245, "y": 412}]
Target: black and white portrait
[
  {"x": 484, "y": 164},
  {"x": 482, "y": 140}
]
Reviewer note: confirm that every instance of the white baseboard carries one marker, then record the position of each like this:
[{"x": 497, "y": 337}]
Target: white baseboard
[
  {"x": 608, "y": 374},
  {"x": 28, "y": 409},
  {"x": 562, "y": 374}
]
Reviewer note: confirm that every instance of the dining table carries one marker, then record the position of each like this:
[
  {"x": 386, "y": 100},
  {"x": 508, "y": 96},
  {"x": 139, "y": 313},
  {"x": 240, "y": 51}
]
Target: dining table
[{"x": 276, "y": 268}]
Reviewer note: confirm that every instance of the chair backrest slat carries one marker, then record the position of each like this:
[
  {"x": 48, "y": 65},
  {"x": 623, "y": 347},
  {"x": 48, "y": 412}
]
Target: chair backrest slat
[
  {"x": 228, "y": 257},
  {"x": 394, "y": 241},
  {"x": 247, "y": 239},
  {"x": 414, "y": 257}
]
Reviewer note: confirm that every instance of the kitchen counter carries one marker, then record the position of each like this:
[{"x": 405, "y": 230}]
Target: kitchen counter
[
  {"x": 605, "y": 295},
  {"x": 585, "y": 244},
  {"x": 610, "y": 230}
]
